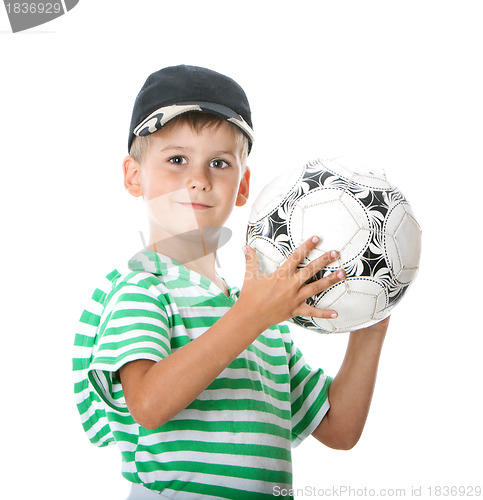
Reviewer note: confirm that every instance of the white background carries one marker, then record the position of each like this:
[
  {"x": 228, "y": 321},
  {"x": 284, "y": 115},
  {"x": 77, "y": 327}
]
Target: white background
[{"x": 396, "y": 83}]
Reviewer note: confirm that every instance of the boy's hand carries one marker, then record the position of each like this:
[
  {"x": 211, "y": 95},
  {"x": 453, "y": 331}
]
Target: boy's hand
[{"x": 276, "y": 297}]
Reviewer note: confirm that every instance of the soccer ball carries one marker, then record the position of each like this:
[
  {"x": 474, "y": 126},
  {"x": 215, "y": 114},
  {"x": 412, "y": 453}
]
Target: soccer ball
[{"x": 359, "y": 214}]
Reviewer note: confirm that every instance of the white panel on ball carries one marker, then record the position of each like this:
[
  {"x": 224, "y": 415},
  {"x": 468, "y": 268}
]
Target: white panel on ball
[
  {"x": 357, "y": 305},
  {"x": 272, "y": 257},
  {"x": 344, "y": 220},
  {"x": 372, "y": 179},
  {"x": 409, "y": 248},
  {"x": 360, "y": 214}
]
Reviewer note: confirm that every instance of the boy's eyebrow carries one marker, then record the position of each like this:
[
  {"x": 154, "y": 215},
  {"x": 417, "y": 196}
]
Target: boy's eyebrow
[
  {"x": 174, "y": 147},
  {"x": 225, "y": 152}
]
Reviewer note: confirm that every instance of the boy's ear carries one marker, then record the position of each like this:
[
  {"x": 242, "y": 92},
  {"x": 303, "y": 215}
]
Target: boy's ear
[
  {"x": 132, "y": 176},
  {"x": 244, "y": 189}
]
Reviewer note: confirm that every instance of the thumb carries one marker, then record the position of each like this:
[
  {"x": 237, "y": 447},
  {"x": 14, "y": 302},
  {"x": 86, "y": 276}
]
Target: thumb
[{"x": 250, "y": 257}]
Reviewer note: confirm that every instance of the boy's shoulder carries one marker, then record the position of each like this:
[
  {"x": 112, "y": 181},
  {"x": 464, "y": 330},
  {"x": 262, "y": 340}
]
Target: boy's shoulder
[
  {"x": 138, "y": 273},
  {"x": 145, "y": 270}
]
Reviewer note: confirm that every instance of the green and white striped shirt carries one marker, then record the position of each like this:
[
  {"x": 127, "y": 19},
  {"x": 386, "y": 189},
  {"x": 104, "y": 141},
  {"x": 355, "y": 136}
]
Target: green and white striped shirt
[{"x": 234, "y": 440}]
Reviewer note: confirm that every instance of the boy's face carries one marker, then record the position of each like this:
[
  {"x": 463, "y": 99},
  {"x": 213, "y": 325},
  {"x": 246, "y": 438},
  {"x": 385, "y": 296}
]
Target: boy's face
[{"x": 189, "y": 179}]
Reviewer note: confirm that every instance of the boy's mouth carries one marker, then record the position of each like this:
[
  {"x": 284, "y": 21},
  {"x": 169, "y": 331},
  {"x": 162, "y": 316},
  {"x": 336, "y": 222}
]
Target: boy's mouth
[{"x": 195, "y": 206}]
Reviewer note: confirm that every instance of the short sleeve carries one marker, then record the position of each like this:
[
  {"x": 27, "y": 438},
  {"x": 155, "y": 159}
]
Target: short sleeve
[
  {"x": 309, "y": 390},
  {"x": 134, "y": 325}
]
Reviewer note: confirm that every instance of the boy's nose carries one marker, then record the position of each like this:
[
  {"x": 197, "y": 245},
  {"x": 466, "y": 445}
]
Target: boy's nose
[{"x": 198, "y": 178}]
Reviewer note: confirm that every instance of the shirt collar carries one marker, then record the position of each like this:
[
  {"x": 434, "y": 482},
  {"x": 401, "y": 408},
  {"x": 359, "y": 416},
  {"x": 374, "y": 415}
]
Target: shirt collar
[
  {"x": 154, "y": 263},
  {"x": 162, "y": 265}
]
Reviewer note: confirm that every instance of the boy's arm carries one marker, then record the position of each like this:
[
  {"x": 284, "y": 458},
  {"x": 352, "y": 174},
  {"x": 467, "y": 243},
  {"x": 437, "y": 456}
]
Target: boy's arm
[
  {"x": 350, "y": 393},
  {"x": 156, "y": 392}
]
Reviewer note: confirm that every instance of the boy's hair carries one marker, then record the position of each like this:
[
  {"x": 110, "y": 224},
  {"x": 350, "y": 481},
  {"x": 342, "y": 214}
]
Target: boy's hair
[{"x": 198, "y": 122}]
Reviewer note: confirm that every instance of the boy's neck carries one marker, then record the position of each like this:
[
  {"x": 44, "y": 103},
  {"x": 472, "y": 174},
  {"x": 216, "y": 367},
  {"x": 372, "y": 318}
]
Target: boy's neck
[{"x": 195, "y": 250}]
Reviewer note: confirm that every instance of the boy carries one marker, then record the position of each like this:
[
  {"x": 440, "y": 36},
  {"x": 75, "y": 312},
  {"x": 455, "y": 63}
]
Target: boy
[{"x": 201, "y": 387}]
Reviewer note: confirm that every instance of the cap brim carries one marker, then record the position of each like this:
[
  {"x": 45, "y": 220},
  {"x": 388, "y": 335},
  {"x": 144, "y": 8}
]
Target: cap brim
[{"x": 157, "y": 119}]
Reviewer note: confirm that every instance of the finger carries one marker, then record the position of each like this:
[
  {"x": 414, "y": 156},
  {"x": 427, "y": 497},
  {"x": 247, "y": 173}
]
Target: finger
[
  {"x": 322, "y": 284},
  {"x": 315, "y": 312},
  {"x": 316, "y": 265},
  {"x": 251, "y": 260},
  {"x": 300, "y": 253}
]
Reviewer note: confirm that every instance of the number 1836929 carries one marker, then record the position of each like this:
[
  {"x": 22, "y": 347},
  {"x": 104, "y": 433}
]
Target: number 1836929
[{"x": 34, "y": 8}]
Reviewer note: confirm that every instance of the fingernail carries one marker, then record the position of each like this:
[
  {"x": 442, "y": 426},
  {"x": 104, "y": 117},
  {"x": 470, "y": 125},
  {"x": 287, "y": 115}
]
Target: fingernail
[
  {"x": 315, "y": 239},
  {"x": 340, "y": 274},
  {"x": 334, "y": 254},
  {"x": 333, "y": 315}
]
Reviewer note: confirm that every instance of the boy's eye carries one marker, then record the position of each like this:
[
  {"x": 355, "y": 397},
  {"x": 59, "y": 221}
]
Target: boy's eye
[
  {"x": 219, "y": 163},
  {"x": 178, "y": 160}
]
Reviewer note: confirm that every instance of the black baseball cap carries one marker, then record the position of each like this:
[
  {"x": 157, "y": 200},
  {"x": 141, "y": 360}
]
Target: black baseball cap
[{"x": 174, "y": 90}]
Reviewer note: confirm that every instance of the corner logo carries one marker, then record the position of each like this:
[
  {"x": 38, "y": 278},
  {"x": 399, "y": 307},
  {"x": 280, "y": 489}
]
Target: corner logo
[{"x": 25, "y": 15}]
